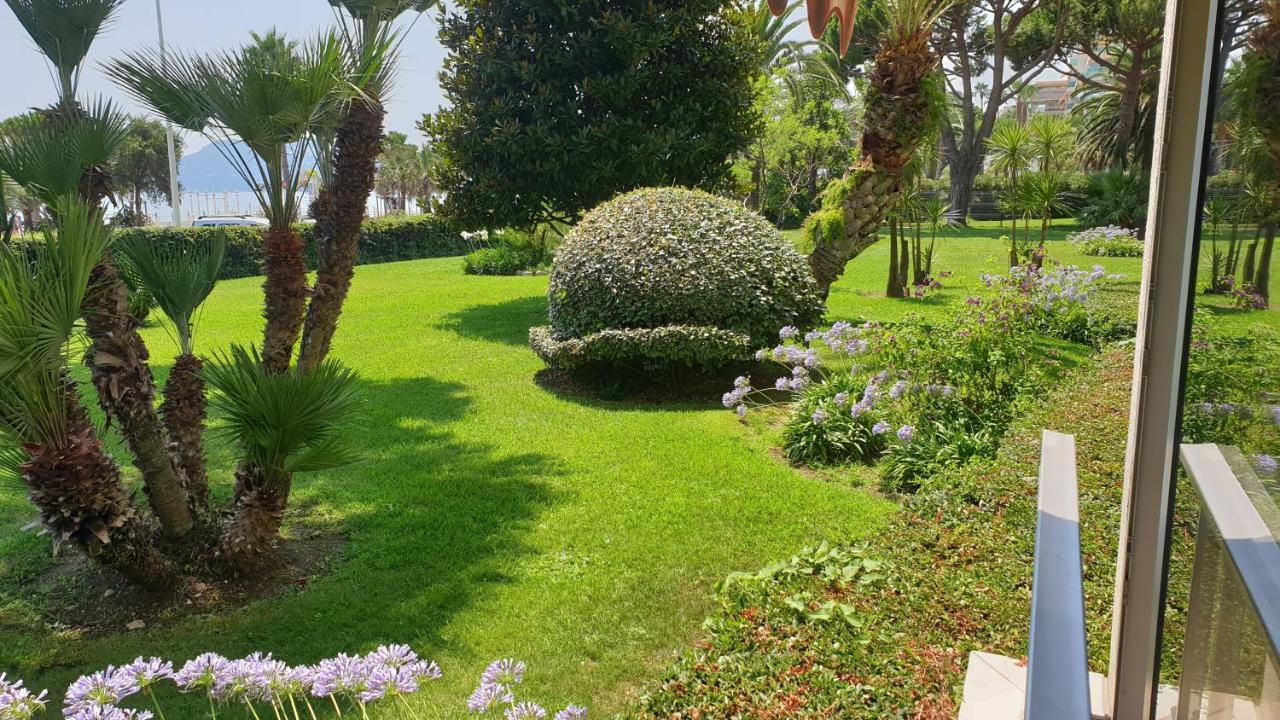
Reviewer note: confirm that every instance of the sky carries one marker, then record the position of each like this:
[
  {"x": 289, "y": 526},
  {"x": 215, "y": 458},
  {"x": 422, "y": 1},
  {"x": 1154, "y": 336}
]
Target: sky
[{"x": 201, "y": 26}]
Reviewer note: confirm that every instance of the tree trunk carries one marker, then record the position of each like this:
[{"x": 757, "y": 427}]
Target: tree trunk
[
  {"x": 183, "y": 411},
  {"x": 1262, "y": 276},
  {"x": 1128, "y": 111},
  {"x": 254, "y": 526},
  {"x": 894, "y": 287},
  {"x": 1250, "y": 258},
  {"x": 339, "y": 212},
  {"x": 126, "y": 390},
  {"x": 963, "y": 171},
  {"x": 285, "y": 288},
  {"x": 896, "y": 122},
  {"x": 81, "y": 498}
]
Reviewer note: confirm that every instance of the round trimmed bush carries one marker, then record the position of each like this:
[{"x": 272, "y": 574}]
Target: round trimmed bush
[{"x": 667, "y": 258}]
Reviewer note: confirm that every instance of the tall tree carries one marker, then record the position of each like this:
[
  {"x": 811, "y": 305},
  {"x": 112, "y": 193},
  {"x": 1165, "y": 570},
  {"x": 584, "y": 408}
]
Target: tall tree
[
  {"x": 555, "y": 107},
  {"x": 904, "y": 102},
  {"x": 348, "y": 160},
  {"x": 1256, "y": 94},
  {"x": 980, "y": 37},
  {"x": 64, "y": 30},
  {"x": 140, "y": 167},
  {"x": 1112, "y": 48},
  {"x": 261, "y": 106}
]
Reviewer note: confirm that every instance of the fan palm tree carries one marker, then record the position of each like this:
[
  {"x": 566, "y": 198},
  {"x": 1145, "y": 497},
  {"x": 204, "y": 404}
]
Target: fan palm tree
[
  {"x": 348, "y": 161},
  {"x": 772, "y": 31},
  {"x": 285, "y": 423},
  {"x": 72, "y": 480},
  {"x": 903, "y": 103},
  {"x": 64, "y": 30},
  {"x": 180, "y": 276},
  {"x": 259, "y": 105}
]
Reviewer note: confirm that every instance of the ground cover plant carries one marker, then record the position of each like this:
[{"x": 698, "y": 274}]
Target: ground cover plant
[{"x": 881, "y": 628}]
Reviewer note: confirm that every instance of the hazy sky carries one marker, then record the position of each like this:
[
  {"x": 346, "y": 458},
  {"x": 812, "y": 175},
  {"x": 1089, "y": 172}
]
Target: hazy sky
[{"x": 202, "y": 25}]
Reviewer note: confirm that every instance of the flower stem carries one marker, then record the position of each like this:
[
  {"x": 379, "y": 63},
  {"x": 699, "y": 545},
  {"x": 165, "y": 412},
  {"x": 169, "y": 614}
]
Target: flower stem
[
  {"x": 407, "y": 706},
  {"x": 253, "y": 711},
  {"x": 335, "y": 704},
  {"x": 213, "y": 712},
  {"x": 155, "y": 702}
]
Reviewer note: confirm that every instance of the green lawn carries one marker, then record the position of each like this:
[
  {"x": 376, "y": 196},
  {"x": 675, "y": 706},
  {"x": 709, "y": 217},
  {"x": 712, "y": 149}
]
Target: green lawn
[
  {"x": 492, "y": 517},
  {"x": 969, "y": 252}
]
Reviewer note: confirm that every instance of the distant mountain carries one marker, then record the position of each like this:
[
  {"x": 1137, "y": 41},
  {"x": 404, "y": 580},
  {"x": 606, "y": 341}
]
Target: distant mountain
[{"x": 206, "y": 170}]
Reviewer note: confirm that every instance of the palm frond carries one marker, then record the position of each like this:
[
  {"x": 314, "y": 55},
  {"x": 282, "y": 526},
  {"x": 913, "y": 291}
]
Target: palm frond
[
  {"x": 287, "y": 422},
  {"x": 48, "y": 155},
  {"x": 42, "y": 287},
  {"x": 266, "y": 97},
  {"x": 1009, "y": 147},
  {"x": 179, "y": 275},
  {"x": 906, "y": 19},
  {"x": 64, "y": 30},
  {"x": 1053, "y": 141},
  {"x": 11, "y": 459}
]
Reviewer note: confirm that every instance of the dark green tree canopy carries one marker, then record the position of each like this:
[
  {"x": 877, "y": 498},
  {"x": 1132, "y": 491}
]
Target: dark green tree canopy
[
  {"x": 140, "y": 167},
  {"x": 558, "y": 105}
]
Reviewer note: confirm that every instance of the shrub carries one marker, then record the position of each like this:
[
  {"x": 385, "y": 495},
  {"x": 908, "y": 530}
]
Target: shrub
[
  {"x": 719, "y": 277},
  {"x": 509, "y": 252},
  {"x": 1108, "y": 241},
  {"x": 1115, "y": 198},
  {"x": 387, "y": 239}
]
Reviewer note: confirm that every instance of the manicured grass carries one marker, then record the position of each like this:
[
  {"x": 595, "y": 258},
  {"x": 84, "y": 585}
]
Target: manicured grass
[
  {"x": 492, "y": 518},
  {"x": 971, "y": 251}
]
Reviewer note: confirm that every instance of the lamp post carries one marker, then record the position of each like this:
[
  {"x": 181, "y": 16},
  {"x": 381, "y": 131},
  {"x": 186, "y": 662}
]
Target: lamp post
[{"x": 175, "y": 197}]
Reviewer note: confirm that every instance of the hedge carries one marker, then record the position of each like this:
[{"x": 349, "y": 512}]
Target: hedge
[{"x": 386, "y": 239}]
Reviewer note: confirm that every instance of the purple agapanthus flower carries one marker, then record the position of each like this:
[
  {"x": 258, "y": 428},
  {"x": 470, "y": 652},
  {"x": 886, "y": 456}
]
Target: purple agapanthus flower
[
  {"x": 819, "y": 416},
  {"x": 424, "y": 670},
  {"x": 781, "y": 383},
  {"x": 1266, "y": 463},
  {"x": 898, "y": 389},
  {"x": 906, "y": 433},
  {"x": 741, "y": 410},
  {"x": 506, "y": 672},
  {"x": 525, "y": 711},
  {"x": 148, "y": 671},
  {"x": 488, "y": 696},
  {"x": 788, "y": 332},
  {"x": 842, "y": 399},
  {"x": 202, "y": 672},
  {"x": 880, "y": 428},
  {"x": 105, "y": 687},
  {"x": 17, "y": 702},
  {"x": 573, "y": 712},
  {"x": 385, "y": 681},
  {"x": 338, "y": 675}
]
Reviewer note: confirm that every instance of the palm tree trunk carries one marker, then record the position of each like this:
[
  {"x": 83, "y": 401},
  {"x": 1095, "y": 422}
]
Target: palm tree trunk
[
  {"x": 254, "y": 525},
  {"x": 183, "y": 411},
  {"x": 339, "y": 212},
  {"x": 285, "y": 288},
  {"x": 894, "y": 287},
  {"x": 78, "y": 489},
  {"x": 897, "y": 120},
  {"x": 126, "y": 390}
]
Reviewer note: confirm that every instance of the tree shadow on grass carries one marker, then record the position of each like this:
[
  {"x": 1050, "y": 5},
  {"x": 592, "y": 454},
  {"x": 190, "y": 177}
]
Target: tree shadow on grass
[
  {"x": 434, "y": 525},
  {"x": 505, "y": 322}
]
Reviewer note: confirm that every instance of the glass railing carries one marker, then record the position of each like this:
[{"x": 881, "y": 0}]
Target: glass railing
[{"x": 1231, "y": 659}]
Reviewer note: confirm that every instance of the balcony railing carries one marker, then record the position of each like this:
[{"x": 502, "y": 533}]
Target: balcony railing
[
  {"x": 1057, "y": 661},
  {"x": 1231, "y": 659}
]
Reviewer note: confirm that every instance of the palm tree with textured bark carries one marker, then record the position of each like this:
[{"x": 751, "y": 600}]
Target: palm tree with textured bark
[
  {"x": 260, "y": 105},
  {"x": 71, "y": 479},
  {"x": 64, "y": 31},
  {"x": 903, "y": 102},
  {"x": 349, "y": 162},
  {"x": 179, "y": 276}
]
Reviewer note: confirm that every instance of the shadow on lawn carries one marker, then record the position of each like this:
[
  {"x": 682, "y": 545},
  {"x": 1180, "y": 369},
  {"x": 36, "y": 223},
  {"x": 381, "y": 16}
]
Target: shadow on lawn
[
  {"x": 505, "y": 322},
  {"x": 434, "y": 525}
]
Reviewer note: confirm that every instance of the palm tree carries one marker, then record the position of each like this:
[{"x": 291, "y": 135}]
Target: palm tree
[
  {"x": 1009, "y": 149},
  {"x": 259, "y": 105},
  {"x": 1043, "y": 195},
  {"x": 1053, "y": 142},
  {"x": 772, "y": 30},
  {"x": 1101, "y": 115},
  {"x": 354, "y": 133},
  {"x": 180, "y": 277},
  {"x": 902, "y": 106},
  {"x": 64, "y": 30},
  {"x": 284, "y": 423},
  {"x": 71, "y": 479}
]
